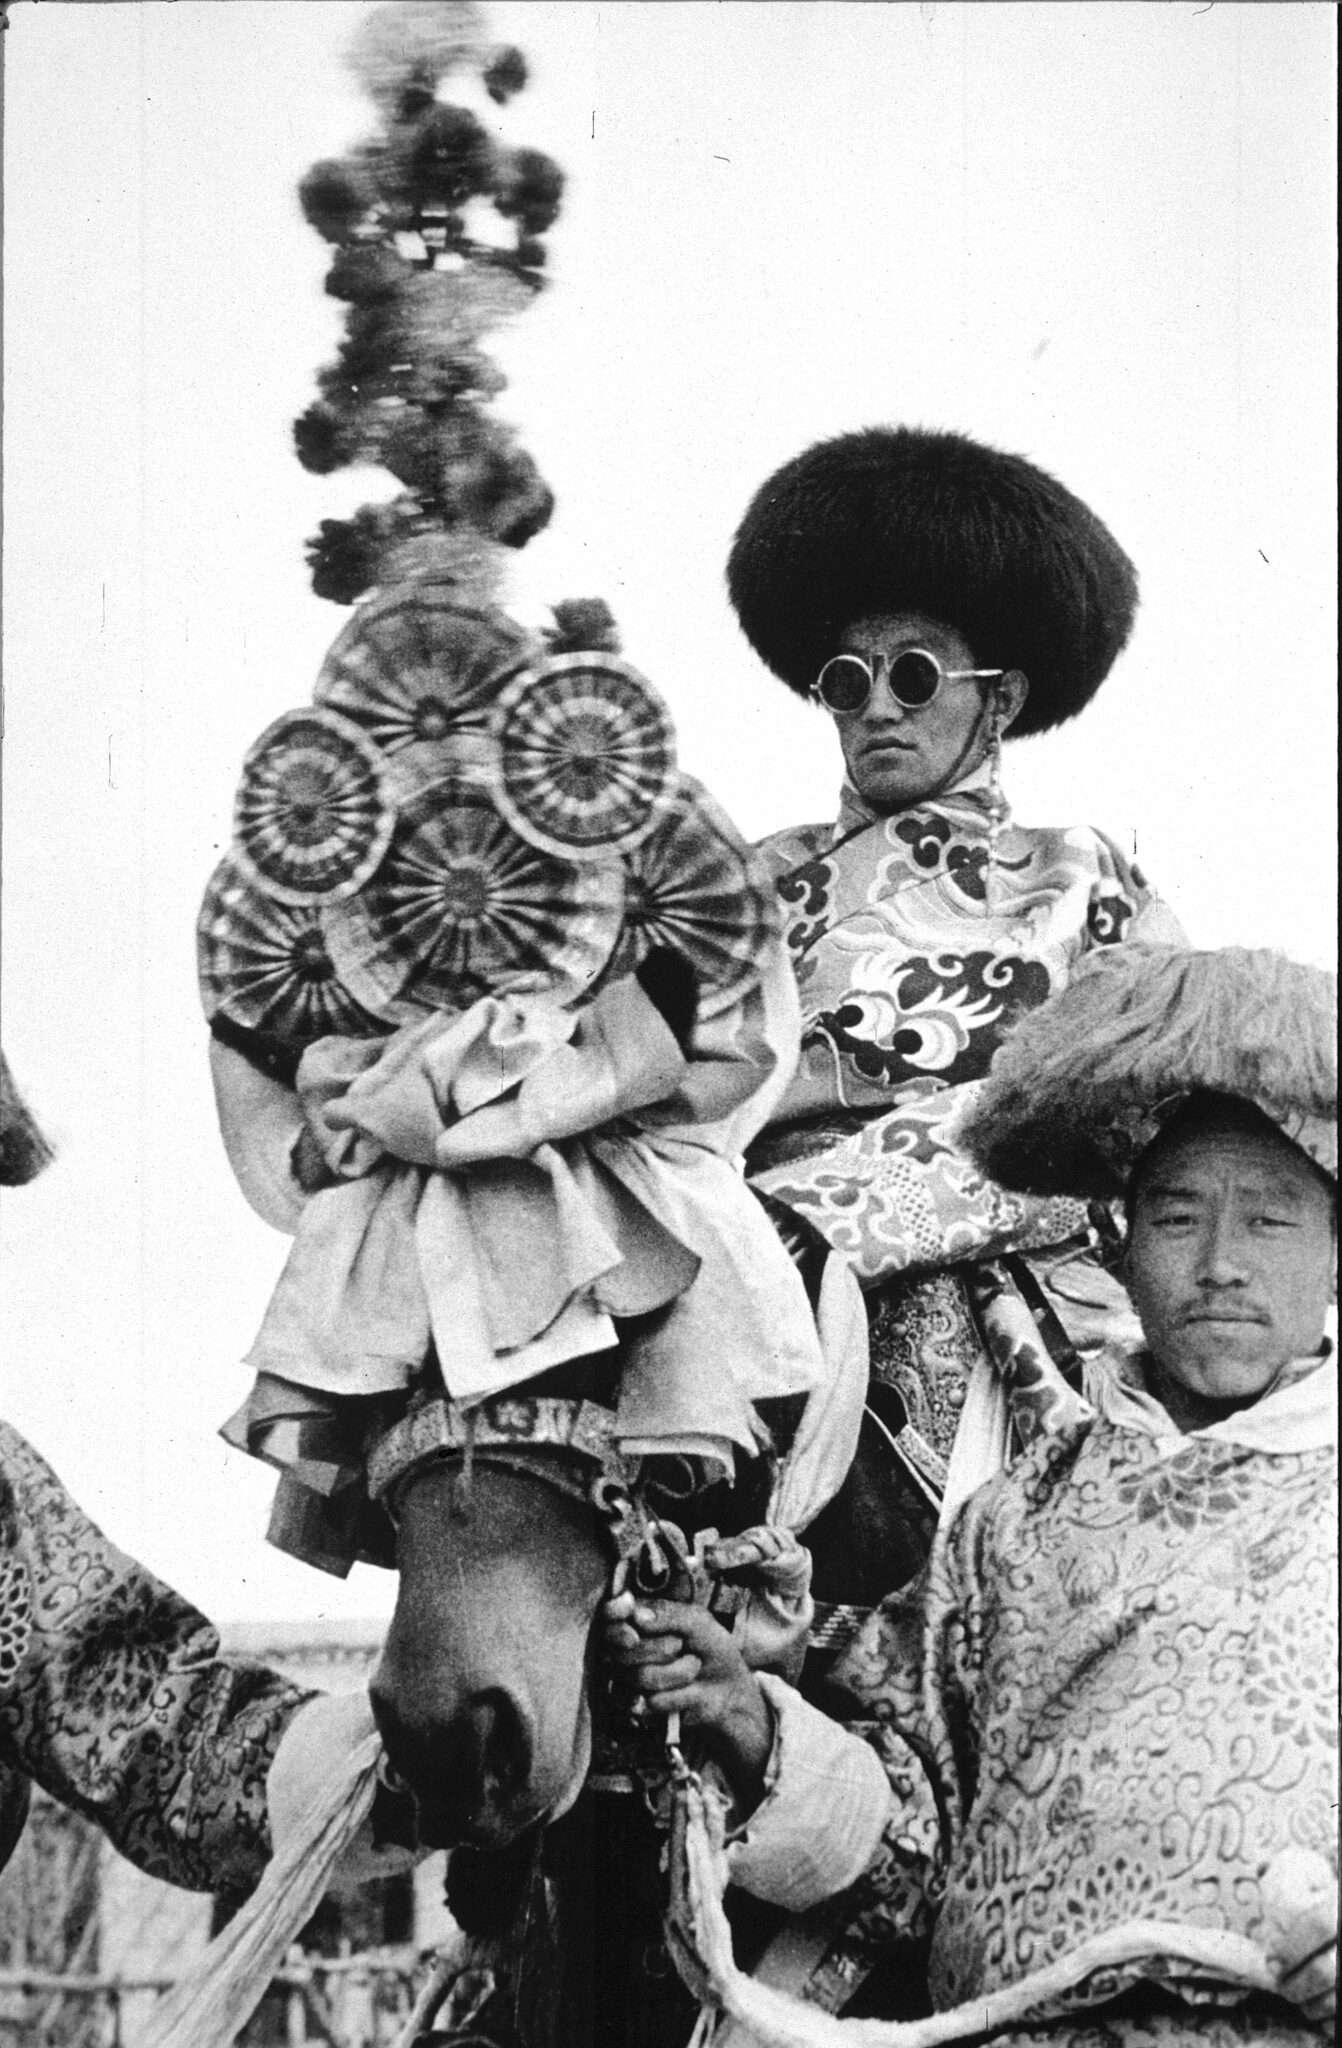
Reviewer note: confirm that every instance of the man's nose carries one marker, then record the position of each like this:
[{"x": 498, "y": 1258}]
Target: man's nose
[
  {"x": 1222, "y": 1255},
  {"x": 883, "y": 699}
]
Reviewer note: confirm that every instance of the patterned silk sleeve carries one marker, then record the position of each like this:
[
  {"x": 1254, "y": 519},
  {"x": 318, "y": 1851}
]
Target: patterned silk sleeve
[
  {"x": 910, "y": 1681},
  {"x": 114, "y": 1698},
  {"x": 1124, "y": 907}
]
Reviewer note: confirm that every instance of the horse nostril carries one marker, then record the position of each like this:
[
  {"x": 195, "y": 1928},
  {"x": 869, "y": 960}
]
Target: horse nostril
[
  {"x": 467, "y": 1765},
  {"x": 396, "y": 1765},
  {"x": 389, "y": 1777},
  {"x": 502, "y": 1744}
]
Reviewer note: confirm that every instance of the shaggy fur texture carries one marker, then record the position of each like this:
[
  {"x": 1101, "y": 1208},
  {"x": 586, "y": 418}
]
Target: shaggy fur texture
[
  {"x": 898, "y": 519},
  {"x": 1084, "y": 1083}
]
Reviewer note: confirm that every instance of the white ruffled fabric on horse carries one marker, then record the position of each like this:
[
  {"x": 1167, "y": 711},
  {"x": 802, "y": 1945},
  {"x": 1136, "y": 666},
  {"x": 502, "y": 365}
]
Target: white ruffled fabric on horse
[{"x": 511, "y": 1181}]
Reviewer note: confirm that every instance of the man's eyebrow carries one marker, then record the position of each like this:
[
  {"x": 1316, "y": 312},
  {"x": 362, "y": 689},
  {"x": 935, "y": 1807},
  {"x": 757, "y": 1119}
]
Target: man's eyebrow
[{"x": 1282, "y": 1193}]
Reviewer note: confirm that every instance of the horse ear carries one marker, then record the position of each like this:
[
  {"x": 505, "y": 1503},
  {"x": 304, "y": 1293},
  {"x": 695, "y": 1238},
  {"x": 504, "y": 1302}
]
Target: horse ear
[{"x": 24, "y": 1151}]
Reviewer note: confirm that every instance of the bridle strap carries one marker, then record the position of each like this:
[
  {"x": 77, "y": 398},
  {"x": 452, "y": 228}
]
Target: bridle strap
[
  {"x": 518, "y": 1424},
  {"x": 566, "y": 1444}
]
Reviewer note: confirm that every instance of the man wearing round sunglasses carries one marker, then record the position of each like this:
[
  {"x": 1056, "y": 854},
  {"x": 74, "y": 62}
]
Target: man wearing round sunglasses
[
  {"x": 934, "y": 595},
  {"x": 912, "y": 709}
]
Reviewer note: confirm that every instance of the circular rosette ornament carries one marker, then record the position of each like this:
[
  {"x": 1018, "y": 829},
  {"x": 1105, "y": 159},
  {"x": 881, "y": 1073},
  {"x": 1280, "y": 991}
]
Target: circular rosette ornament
[
  {"x": 313, "y": 815},
  {"x": 694, "y": 885},
  {"x": 586, "y": 754},
  {"x": 420, "y": 673},
  {"x": 462, "y": 908},
  {"x": 266, "y": 965}
]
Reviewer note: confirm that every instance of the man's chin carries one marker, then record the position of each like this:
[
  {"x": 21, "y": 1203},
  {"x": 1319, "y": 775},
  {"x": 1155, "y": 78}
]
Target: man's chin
[
  {"x": 1226, "y": 1361},
  {"x": 893, "y": 782}
]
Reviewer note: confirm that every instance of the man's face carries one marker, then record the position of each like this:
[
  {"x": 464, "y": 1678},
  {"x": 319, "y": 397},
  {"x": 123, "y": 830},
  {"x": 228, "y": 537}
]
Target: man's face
[
  {"x": 895, "y": 756},
  {"x": 1232, "y": 1260}
]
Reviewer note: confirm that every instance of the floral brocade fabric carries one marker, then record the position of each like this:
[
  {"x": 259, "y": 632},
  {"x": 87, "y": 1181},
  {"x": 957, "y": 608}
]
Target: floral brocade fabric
[
  {"x": 114, "y": 1698},
  {"x": 1112, "y": 1697},
  {"x": 917, "y": 940}
]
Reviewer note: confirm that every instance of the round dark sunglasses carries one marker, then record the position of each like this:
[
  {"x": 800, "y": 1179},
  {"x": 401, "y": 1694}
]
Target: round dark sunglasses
[{"x": 913, "y": 679}]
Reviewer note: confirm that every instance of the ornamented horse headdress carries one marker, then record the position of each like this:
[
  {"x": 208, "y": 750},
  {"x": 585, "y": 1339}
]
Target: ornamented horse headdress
[
  {"x": 498, "y": 993},
  {"x": 467, "y": 809}
]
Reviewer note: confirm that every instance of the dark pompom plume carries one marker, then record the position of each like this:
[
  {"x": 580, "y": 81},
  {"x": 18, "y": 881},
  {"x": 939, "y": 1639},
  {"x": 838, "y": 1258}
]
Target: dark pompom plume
[
  {"x": 528, "y": 190},
  {"x": 320, "y": 441},
  {"x": 899, "y": 519},
  {"x": 452, "y": 157},
  {"x": 517, "y": 503},
  {"x": 344, "y": 557},
  {"x": 424, "y": 275},
  {"x": 336, "y": 196},
  {"x": 505, "y": 75},
  {"x": 583, "y": 625},
  {"x": 364, "y": 275}
]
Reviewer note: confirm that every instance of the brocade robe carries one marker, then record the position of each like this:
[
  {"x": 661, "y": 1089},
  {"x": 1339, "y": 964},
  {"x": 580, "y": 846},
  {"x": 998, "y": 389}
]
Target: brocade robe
[
  {"x": 917, "y": 940},
  {"x": 115, "y": 1699},
  {"x": 1112, "y": 1697}
]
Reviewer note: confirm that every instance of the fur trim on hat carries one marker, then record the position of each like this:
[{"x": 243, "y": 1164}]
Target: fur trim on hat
[
  {"x": 898, "y": 519},
  {"x": 1085, "y": 1083}
]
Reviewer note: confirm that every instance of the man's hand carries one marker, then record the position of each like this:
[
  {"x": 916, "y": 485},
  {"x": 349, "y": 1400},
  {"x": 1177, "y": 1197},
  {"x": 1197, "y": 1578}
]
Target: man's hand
[
  {"x": 1300, "y": 1898},
  {"x": 679, "y": 1660},
  {"x": 1312, "y": 1983}
]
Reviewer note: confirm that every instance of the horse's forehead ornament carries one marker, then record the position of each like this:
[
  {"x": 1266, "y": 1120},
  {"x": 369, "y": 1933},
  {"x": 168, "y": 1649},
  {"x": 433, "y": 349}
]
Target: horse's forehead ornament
[
  {"x": 437, "y": 1429},
  {"x": 651, "y": 1553}
]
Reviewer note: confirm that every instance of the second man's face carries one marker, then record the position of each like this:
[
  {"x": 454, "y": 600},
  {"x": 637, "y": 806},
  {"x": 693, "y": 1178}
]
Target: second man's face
[{"x": 1232, "y": 1261}]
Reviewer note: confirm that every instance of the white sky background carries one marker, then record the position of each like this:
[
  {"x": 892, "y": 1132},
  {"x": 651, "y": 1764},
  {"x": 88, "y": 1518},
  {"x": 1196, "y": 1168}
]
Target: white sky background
[{"x": 1098, "y": 234}]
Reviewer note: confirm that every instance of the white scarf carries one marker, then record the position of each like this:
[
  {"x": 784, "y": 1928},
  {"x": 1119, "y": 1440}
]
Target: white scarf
[{"x": 1298, "y": 1413}]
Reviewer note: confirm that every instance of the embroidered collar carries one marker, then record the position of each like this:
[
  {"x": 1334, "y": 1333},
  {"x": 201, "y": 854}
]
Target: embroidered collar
[{"x": 969, "y": 802}]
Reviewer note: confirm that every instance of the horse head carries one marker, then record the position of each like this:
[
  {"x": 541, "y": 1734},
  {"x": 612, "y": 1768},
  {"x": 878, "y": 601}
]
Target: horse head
[
  {"x": 480, "y": 1694},
  {"x": 481, "y": 1690},
  {"x": 511, "y": 1521}
]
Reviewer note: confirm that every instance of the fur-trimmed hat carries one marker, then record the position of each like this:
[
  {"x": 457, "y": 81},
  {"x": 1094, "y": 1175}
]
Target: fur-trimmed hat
[
  {"x": 896, "y": 519},
  {"x": 1085, "y": 1083}
]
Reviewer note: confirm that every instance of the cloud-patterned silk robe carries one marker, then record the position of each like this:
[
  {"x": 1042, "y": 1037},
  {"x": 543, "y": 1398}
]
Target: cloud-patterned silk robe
[{"x": 917, "y": 939}]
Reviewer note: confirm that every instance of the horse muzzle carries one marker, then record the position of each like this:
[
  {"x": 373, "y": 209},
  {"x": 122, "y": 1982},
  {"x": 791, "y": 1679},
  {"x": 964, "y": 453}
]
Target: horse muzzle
[{"x": 482, "y": 1775}]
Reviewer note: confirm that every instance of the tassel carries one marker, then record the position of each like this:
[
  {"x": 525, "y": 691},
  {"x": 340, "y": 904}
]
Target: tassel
[
  {"x": 462, "y": 1484},
  {"x": 997, "y": 803}
]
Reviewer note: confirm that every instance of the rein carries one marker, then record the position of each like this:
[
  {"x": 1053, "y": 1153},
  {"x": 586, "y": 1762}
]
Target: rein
[{"x": 745, "y": 2012}]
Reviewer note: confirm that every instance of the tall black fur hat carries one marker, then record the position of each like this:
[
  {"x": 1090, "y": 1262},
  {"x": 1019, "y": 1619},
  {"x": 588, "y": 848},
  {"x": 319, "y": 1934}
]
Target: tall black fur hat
[{"x": 894, "y": 519}]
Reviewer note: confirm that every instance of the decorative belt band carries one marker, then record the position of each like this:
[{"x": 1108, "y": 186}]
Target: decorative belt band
[
  {"x": 834, "y": 1627},
  {"x": 512, "y": 1422}
]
